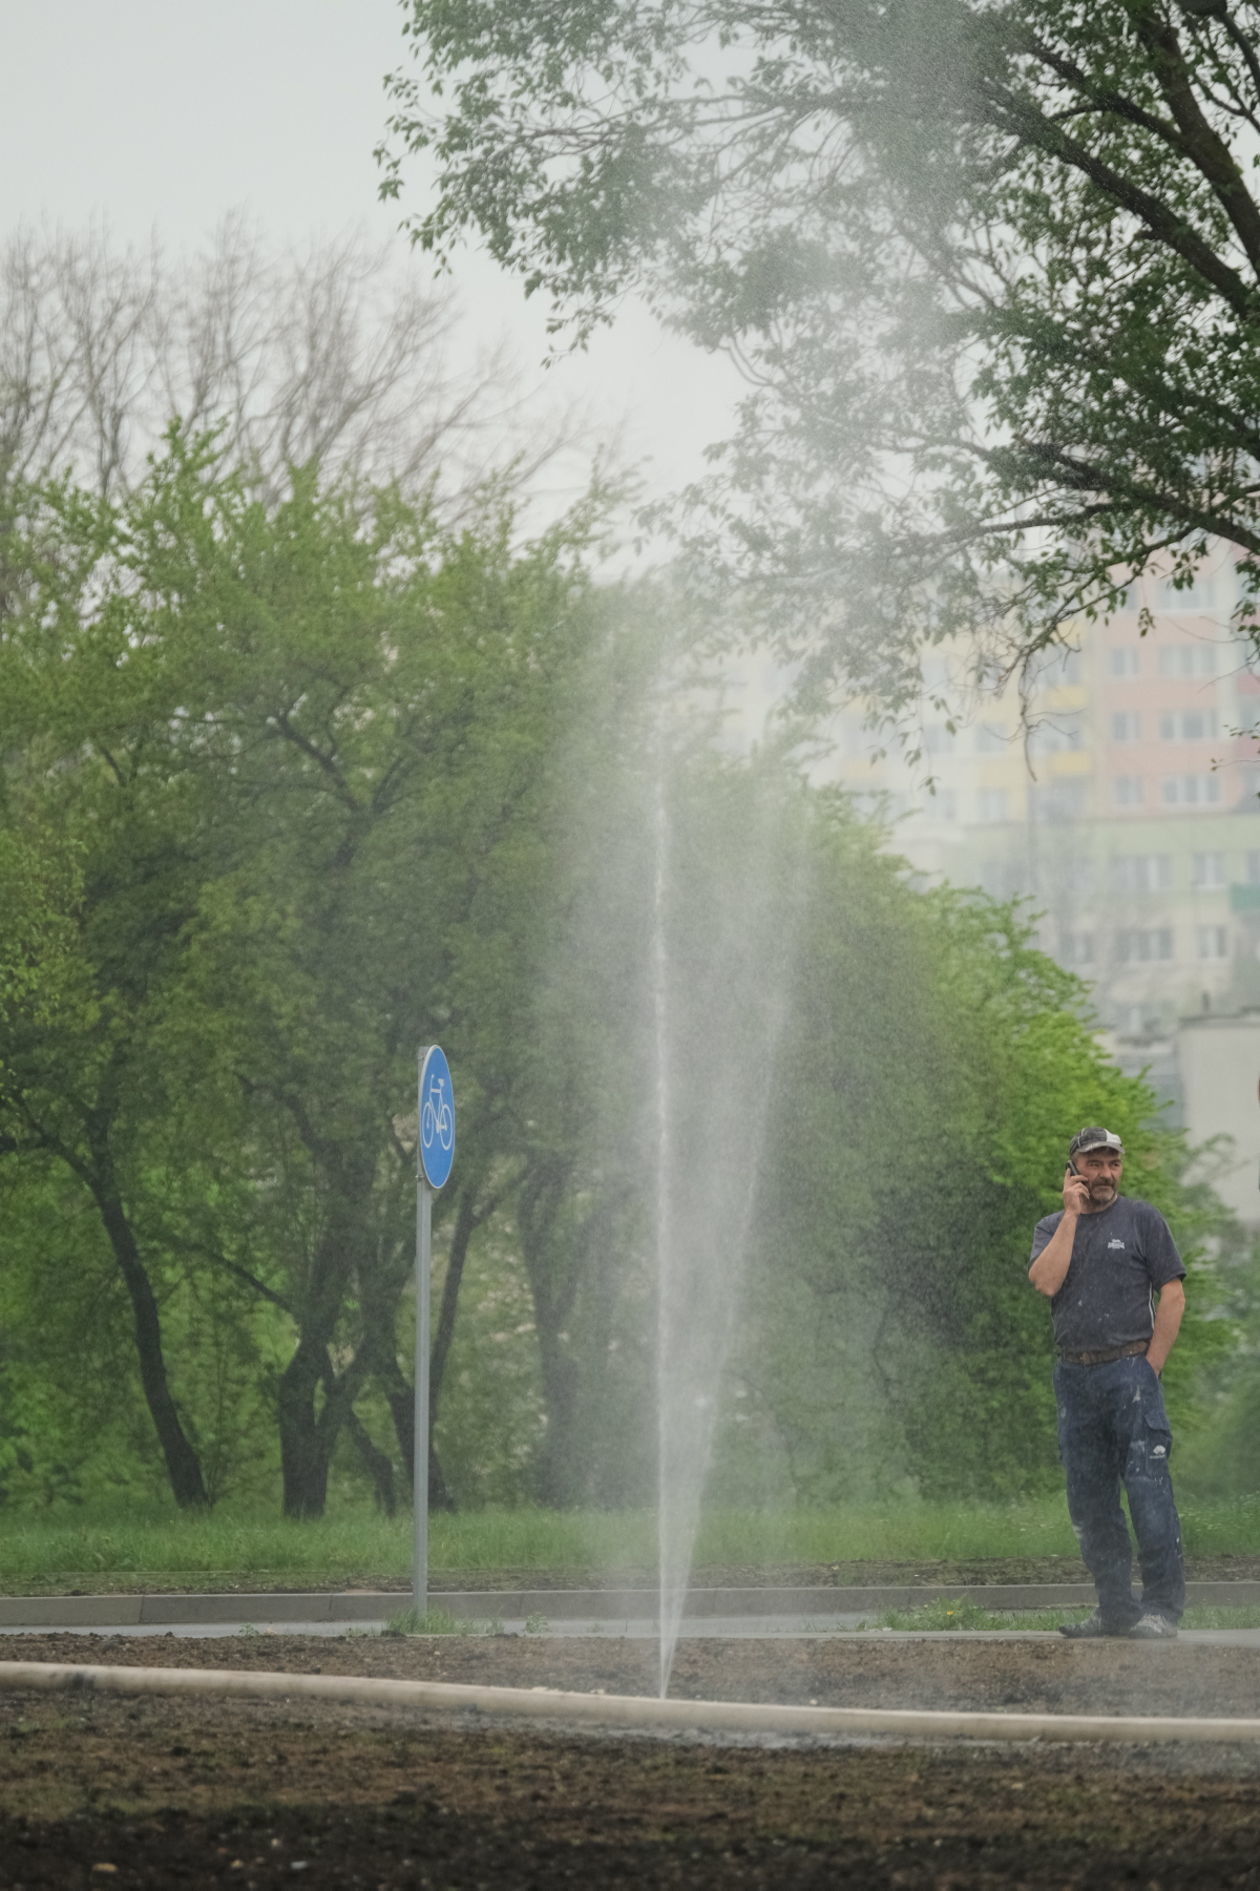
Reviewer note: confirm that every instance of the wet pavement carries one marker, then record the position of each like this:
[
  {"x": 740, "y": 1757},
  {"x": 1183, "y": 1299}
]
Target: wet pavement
[{"x": 549, "y": 1614}]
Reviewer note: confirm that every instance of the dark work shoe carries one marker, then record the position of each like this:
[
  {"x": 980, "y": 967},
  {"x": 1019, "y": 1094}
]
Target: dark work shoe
[
  {"x": 1093, "y": 1628},
  {"x": 1153, "y": 1628}
]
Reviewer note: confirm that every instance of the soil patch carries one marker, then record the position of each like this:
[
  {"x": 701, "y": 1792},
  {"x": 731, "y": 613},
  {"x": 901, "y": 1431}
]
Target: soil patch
[{"x": 156, "y": 1793}]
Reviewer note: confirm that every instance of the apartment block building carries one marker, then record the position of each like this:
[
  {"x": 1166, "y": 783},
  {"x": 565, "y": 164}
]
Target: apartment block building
[{"x": 1126, "y": 808}]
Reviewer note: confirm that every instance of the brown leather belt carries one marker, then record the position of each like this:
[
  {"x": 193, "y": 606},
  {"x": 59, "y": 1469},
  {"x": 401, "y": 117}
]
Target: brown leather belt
[{"x": 1108, "y": 1353}]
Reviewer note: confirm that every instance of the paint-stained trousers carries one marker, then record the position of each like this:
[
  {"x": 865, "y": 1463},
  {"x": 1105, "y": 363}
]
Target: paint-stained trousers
[{"x": 1114, "y": 1431}]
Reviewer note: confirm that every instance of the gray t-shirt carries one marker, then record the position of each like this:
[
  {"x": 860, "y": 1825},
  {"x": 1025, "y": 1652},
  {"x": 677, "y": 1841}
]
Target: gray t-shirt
[{"x": 1119, "y": 1257}]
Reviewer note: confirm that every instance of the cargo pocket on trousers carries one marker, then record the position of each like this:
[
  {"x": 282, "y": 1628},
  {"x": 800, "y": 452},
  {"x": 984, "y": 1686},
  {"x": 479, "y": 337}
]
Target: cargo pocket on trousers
[{"x": 1151, "y": 1447}]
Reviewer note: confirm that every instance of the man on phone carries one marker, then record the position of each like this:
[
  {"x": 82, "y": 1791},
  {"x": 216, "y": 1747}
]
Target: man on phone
[{"x": 1110, "y": 1269}]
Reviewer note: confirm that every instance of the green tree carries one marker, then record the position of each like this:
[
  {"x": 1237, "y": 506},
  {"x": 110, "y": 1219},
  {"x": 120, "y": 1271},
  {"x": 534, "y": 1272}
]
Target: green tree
[
  {"x": 400, "y": 908},
  {"x": 938, "y": 1064},
  {"x": 291, "y": 788},
  {"x": 990, "y": 265},
  {"x": 300, "y": 748},
  {"x": 78, "y": 790}
]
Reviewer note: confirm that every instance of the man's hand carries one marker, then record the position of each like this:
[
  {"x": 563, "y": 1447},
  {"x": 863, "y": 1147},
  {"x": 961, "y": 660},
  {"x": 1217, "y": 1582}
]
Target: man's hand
[
  {"x": 1075, "y": 1193},
  {"x": 1168, "y": 1311}
]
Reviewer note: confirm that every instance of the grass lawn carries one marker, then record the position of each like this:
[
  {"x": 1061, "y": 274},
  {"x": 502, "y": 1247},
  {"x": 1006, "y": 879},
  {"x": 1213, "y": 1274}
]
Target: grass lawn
[
  {"x": 962, "y": 1614},
  {"x": 131, "y": 1547}
]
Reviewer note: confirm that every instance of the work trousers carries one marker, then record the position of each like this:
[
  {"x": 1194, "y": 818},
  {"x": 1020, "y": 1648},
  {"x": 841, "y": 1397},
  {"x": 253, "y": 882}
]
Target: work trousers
[{"x": 1113, "y": 1431}]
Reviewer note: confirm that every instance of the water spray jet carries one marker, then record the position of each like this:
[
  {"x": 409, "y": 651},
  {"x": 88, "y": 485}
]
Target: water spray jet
[{"x": 720, "y": 977}]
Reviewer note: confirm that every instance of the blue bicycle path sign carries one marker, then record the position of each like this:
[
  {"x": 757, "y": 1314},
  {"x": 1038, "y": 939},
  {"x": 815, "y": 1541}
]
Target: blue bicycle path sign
[{"x": 437, "y": 1117}]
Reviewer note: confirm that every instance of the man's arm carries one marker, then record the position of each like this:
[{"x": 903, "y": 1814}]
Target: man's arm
[
  {"x": 1168, "y": 1312},
  {"x": 1049, "y": 1271}
]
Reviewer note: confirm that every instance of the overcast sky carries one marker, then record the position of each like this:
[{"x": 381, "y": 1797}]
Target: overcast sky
[{"x": 158, "y": 116}]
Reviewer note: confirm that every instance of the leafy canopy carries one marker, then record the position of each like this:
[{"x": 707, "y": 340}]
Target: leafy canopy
[{"x": 990, "y": 267}]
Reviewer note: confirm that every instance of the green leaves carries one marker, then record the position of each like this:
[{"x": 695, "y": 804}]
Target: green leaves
[
  {"x": 269, "y": 817},
  {"x": 993, "y": 270}
]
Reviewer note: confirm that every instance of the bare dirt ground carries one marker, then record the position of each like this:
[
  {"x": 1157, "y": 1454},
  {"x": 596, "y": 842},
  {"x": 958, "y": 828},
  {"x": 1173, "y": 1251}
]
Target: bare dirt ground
[{"x": 100, "y": 1790}]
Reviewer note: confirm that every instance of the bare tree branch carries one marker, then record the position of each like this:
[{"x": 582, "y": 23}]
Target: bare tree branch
[{"x": 342, "y": 355}]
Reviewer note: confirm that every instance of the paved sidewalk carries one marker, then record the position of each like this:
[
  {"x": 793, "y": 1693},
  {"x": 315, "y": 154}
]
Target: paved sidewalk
[
  {"x": 714, "y": 1627},
  {"x": 617, "y": 1613}
]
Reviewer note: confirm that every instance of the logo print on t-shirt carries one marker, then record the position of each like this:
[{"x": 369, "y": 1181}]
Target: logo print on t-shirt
[{"x": 1115, "y": 1243}]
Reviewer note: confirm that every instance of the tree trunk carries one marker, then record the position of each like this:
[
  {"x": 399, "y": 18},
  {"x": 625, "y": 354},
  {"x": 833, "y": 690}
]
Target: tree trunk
[
  {"x": 467, "y": 1220},
  {"x": 562, "y": 1468},
  {"x": 305, "y": 1444},
  {"x": 548, "y": 1253},
  {"x": 309, "y": 1428},
  {"x": 183, "y": 1467},
  {"x": 378, "y": 1463},
  {"x": 402, "y": 1407}
]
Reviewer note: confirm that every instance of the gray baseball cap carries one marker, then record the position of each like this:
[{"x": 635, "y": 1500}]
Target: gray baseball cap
[{"x": 1094, "y": 1137}]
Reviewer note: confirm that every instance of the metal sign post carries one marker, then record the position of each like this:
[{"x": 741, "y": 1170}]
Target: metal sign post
[{"x": 435, "y": 1153}]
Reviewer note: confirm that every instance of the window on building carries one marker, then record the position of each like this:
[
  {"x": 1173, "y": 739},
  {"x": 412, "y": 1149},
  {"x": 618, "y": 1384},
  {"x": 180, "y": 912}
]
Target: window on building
[
  {"x": 1126, "y": 726},
  {"x": 1077, "y": 948},
  {"x": 1139, "y": 945},
  {"x": 1199, "y": 595},
  {"x": 1188, "y": 659},
  {"x": 1055, "y": 666},
  {"x": 1057, "y": 734},
  {"x": 990, "y": 741},
  {"x": 993, "y": 804},
  {"x": 1212, "y": 942},
  {"x": 1207, "y": 869},
  {"x": 1245, "y": 786},
  {"x": 1058, "y": 800},
  {"x": 1002, "y": 877},
  {"x": 1141, "y": 873},
  {"x": 1124, "y": 661},
  {"x": 1188, "y": 725},
  {"x": 1126, "y": 791},
  {"x": 1191, "y": 791}
]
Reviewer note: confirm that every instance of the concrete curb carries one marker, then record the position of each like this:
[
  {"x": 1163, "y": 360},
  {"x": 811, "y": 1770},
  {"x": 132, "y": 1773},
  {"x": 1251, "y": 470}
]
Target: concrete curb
[{"x": 560, "y": 1605}]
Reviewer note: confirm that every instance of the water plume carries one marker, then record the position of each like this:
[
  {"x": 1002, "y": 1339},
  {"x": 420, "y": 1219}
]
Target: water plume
[{"x": 722, "y": 901}]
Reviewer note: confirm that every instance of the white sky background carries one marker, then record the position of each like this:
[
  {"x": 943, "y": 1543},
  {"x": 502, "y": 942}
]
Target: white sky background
[{"x": 158, "y": 117}]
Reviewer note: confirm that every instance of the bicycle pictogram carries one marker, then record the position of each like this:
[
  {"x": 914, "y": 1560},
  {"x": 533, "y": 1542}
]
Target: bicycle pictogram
[
  {"x": 437, "y": 1118},
  {"x": 436, "y": 1101}
]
